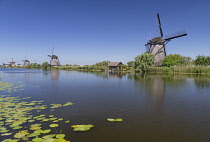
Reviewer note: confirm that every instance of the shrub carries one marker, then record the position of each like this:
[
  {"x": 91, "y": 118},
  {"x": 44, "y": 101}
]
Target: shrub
[{"x": 142, "y": 62}]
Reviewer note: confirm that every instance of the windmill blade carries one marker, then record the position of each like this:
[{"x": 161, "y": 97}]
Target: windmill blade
[
  {"x": 160, "y": 28},
  {"x": 175, "y": 35},
  {"x": 52, "y": 50}
]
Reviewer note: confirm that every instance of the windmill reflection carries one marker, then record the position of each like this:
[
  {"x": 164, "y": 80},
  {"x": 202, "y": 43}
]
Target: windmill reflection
[
  {"x": 153, "y": 85},
  {"x": 54, "y": 74}
]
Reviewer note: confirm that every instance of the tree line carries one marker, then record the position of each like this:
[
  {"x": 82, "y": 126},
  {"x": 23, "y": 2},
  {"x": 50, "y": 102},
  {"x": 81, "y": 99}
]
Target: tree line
[
  {"x": 142, "y": 63},
  {"x": 146, "y": 60}
]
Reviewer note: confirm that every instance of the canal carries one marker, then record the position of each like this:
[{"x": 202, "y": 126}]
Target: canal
[{"x": 154, "y": 107}]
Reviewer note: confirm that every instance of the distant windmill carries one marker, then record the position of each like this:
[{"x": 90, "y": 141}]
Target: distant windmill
[
  {"x": 156, "y": 45},
  {"x": 54, "y": 60},
  {"x": 26, "y": 62},
  {"x": 12, "y": 64}
]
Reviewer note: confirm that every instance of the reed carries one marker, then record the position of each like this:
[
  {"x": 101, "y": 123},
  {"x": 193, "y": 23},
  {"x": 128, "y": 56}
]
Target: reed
[{"x": 181, "y": 69}]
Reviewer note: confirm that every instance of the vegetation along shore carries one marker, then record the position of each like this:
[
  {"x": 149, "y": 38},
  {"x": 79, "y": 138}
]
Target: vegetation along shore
[{"x": 143, "y": 63}]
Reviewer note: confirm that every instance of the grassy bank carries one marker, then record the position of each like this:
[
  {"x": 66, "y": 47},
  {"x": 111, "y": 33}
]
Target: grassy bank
[
  {"x": 172, "y": 70},
  {"x": 181, "y": 69}
]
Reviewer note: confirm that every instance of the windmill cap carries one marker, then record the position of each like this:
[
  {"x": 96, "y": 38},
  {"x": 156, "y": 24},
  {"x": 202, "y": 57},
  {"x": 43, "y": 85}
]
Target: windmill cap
[
  {"x": 54, "y": 57},
  {"x": 156, "y": 40}
]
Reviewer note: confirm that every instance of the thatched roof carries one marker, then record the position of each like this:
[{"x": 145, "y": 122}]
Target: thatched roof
[
  {"x": 114, "y": 64},
  {"x": 54, "y": 57},
  {"x": 156, "y": 40}
]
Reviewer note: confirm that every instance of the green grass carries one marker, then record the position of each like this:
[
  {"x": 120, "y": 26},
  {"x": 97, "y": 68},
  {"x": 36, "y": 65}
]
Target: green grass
[{"x": 181, "y": 69}]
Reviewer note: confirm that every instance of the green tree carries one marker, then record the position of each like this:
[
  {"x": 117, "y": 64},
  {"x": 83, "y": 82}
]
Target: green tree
[
  {"x": 124, "y": 67},
  {"x": 202, "y": 60},
  {"x": 38, "y": 66},
  {"x": 45, "y": 65},
  {"x": 131, "y": 64},
  {"x": 143, "y": 61},
  {"x": 173, "y": 59},
  {"x": 103, "y": 63}
]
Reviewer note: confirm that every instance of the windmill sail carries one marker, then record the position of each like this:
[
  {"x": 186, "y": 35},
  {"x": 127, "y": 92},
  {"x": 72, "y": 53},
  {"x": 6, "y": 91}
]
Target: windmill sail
[
  {"x": 175, "y": 35},
  {"x": 160, "y": 27}
]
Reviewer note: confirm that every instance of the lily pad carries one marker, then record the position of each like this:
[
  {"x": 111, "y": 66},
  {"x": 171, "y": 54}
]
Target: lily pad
[
  {"x": 62, "y": 140},
  {"x": 50, "y": 140},
  {"x": 45, "y": 131},
  {"x": 48, "y": 136},
  {"x": 37, "y": 140},
  {"x": 53, "y": 125},
  {"x": 18, "y": 127},
  {"x": 111, "y": 120},
  {"x": 114, "y": 120},
  {"x": 68, "y": 103},
  {"x": 35, "y": 128},
  {"x": 31, "y": 120},
  {"x": 82, "y": 127},
  {"x": 6, "y": 134},
  {"x": 33, "y": 135},
  {"x": 19, "y": 135},
  {"x": 10, "y": 140},
  {"x": 38, "y": 131},
  {"x": 119, "y": 119},
  {"x": 60, "y": 136},
  {"x": 45, "y": 119}
]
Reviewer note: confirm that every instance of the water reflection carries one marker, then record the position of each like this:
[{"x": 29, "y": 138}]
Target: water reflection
[
  {"x": 202, "y": 81},
  {"x": 107, "y": 74},
  {"x": 54, "y": 74},
  {"x": 117, "y": 74},
  {"x": 154, "y": 86}
]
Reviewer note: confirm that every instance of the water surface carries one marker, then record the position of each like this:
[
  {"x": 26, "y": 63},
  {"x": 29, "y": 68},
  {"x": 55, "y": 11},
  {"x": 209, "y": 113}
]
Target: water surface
[{"x": 153, "y": 107}]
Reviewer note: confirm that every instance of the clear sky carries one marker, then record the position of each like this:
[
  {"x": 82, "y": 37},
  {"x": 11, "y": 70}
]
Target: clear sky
[{"x": 88, "y": 31}]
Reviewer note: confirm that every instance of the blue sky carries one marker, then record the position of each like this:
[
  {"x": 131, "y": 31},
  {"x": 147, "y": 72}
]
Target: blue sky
[{"x": 89, "y": 31}]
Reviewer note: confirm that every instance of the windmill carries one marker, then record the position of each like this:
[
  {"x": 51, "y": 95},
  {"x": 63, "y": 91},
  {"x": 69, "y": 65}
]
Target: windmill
[
  {"x": 26, "y": 62},
  {"x": 12, "y": 64},
  {"x": 54, "y": 60},
  {"x": 156, "y": 45}
]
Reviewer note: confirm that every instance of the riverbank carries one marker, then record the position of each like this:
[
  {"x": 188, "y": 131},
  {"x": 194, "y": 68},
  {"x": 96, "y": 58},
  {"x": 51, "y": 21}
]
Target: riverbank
[
  {"x": 181, "y": 70},
  {"x": 163, "y": 70}
]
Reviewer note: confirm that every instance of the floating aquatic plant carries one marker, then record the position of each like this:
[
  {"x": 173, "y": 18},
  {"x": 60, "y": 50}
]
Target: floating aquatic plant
[
  {"x": 60, "y": 136},
  {"x": 14, "y": 112},
  {"x": 10, "y": 140},
  {"x": 48, "y": 136},
  {"x": 114, "y": 120},
  {"x": 53, "y": 125},
  {"x": 82, "y": 127},
  {"x": 68, "y": 103},
  {"x": 45, "y": 131},
  {"x": 67, "y": 121},
  {"x": 10, "y": 87},
  {"x": 37, "y": 140}
]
